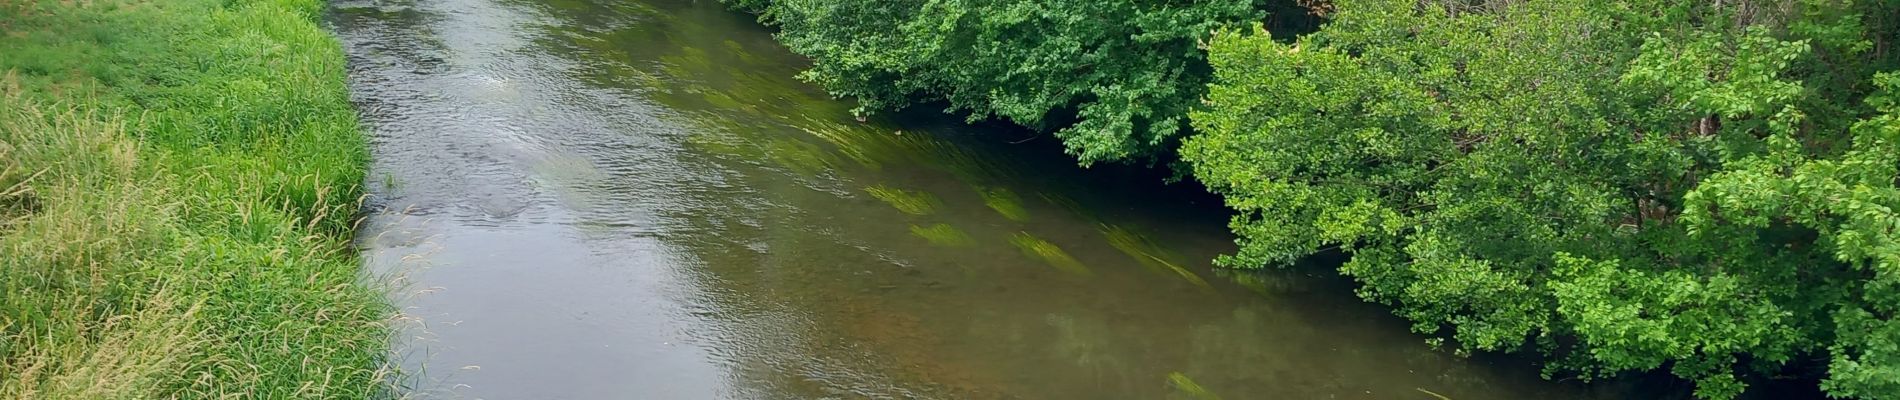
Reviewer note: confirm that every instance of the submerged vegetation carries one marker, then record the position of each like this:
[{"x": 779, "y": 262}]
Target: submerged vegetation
[
  {"x": 910, "y": 202},
  {"x": 177, "y": 183},
  {"x": 1707, "y": 188},
  {"x": 943, "y": 235},
  {"x": 1040, "y": 249}
]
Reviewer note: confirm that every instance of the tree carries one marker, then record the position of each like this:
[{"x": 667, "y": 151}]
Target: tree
[
  {"x": 1113, "y": 79},
  {"x": 1618, "y": 185}
]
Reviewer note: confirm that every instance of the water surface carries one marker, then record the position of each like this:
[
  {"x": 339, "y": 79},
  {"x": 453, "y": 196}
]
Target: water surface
[{"x": 591, "y": 199}]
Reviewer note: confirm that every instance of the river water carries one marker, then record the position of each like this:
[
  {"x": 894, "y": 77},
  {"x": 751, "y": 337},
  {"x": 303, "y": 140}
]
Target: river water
[{"x": 592, "y": 199}]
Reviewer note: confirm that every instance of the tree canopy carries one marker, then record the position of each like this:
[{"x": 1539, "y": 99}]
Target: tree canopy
[
  {"x": 1619, "y": 185},
  {"x": 1113, "y": 79}
]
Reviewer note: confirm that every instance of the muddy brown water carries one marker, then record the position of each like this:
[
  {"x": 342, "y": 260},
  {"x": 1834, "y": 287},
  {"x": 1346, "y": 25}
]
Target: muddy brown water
[{"x": 598, "y": 199}]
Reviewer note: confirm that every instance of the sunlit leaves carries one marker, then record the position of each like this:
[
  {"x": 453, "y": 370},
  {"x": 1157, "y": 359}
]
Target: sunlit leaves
[
  {"x": 1113, "y": 79},
  {"x": 1620, "y": 185}
]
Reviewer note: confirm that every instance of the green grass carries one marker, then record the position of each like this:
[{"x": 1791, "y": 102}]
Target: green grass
[{"x": 178, "y": 181}]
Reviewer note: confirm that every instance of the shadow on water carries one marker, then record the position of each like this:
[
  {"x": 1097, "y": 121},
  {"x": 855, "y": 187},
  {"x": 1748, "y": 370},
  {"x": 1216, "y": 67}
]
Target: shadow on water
[{"x": 593, "y": 198}]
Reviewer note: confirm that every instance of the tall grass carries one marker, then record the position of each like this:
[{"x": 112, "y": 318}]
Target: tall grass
[{"x": 177, "y": 184}]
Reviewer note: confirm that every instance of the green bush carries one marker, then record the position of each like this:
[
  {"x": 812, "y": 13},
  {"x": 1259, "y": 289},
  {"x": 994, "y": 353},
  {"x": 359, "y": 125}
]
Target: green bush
[
  {"x": 1619, "y": 185},
  {"x": 1113, "y": 79}
]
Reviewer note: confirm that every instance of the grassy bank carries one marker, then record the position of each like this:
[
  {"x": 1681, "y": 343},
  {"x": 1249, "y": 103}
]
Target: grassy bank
[{"x": 177, "y": 184}]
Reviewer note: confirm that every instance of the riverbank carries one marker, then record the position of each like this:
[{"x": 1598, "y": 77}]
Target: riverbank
[{"x": 178, "y": 182}]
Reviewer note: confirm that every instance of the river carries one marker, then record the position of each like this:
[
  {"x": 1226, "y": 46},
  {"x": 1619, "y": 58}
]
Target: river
[{"x": 591, "y": 199}]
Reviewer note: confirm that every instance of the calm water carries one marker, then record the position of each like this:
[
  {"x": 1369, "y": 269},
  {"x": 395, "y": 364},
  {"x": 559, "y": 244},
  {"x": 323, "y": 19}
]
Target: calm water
[{"x": 591, "y": 199}]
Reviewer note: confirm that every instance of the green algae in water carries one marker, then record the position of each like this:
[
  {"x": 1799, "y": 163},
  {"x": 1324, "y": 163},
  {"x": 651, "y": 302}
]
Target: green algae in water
[
  {"x": 1434, "y": 395},
  {"x": 688, "y": 64},
  {"x": 721, "y": 100},
  {"x": 802, "y": 157},
  {"x": 1188, "y": 388},
  {"x": 949, "y": 157},
  {"x": 942, "y": 235},
  {"x": 1049, "y": 253},
  {"x": 739, "y": 50},
  {"x": 848, "y": 142},
  {"x": 714, "y": 135},
  {"x": 1149, "y": 254},
  {"x": 1004, "y": 202},
  {"x": 910, "y": 202}
]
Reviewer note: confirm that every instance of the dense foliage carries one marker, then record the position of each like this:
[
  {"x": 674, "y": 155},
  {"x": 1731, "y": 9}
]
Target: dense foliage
[
  {"x": 1113, "y": 79},
  {"x": 1707, "y": 187}
]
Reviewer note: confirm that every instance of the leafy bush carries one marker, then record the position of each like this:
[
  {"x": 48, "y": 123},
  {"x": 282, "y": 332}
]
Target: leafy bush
[
  {"x": 1113, "y": 79},
  {"x": 1619, "y": 185}
]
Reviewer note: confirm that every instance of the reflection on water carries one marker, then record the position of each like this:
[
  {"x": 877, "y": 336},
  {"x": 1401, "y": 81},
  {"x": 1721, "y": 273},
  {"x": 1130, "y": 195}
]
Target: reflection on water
[{"x": 635, "y": 198}]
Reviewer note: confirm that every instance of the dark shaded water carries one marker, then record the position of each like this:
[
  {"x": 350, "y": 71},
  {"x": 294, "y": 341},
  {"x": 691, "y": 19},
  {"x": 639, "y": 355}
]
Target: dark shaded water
[{"x": 594, "y": 199}]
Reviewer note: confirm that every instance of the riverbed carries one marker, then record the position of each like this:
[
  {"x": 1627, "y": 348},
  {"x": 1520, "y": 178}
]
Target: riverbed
[{"x": 590, "y": 199}]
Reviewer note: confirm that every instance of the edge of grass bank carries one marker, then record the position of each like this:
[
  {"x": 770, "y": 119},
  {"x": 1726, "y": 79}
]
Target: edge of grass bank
[{"x": 178, "y": 183}]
